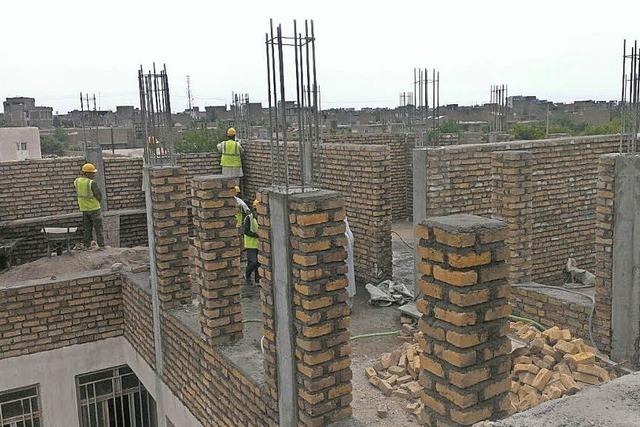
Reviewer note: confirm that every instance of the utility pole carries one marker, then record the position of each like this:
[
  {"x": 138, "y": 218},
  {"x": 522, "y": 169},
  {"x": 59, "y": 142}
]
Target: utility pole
[
  {"x": 189, "y": 96},
  {"x": 547, "y": 131}
]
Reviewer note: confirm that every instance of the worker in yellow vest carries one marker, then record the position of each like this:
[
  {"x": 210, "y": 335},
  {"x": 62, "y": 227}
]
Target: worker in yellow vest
[
  {"x": 231, "y": 160},
  {"x": 89, "y": 197},
  {"x": 241, "y": 207},
  {"x": 251, "y": 243}
]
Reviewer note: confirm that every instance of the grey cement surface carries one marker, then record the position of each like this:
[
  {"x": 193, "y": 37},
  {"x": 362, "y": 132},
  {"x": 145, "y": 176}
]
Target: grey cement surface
[
  {"x": 614, "y": 404},
  {"x": 561, "y": 293},
  {"x": 463, "y": 223},
  {"x": 419, "y": 201},
  {"x": 625, "y": 293}
]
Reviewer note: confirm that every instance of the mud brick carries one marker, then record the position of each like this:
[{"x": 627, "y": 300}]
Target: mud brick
[
  {"x": 586, "y": 378},
  {"x": 565, "y": 347}
]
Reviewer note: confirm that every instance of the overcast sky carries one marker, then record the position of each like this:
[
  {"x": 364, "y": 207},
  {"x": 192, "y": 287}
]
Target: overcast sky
[{"x": 560, "y": 50}]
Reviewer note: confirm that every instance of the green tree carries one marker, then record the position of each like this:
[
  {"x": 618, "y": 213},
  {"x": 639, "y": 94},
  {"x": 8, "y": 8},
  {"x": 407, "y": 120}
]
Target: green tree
[
  {"x": 450, "y": 126},
  {"x": 527, "y": 131},
  {"x": 51, "y": 145},
  {"x": 199, "y": 140}
]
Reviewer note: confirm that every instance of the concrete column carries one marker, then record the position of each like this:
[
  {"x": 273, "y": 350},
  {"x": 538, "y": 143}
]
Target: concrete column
[
  {"x": 217, "y": 261},
  {"x": 511, "y": 199},
  {"x": 625, "y": 289},
  {"x": 419, "y": 202},
  {"x": 171, "y": 234},
  {"x": 304, "y": 302},
  {"x": 465, "y": 362},
  {"x": 93, "y": 155}
]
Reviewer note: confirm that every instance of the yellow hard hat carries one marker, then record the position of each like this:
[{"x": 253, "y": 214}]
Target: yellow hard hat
[
  {"x": 89, "y": 168},
  {"x": 236, "y": 189},
  {"x": 231, "y": 132}
]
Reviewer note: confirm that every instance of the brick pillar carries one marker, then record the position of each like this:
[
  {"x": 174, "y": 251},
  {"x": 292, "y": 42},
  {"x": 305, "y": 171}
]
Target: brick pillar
[
  {"x": 465, "y": 307},
  {"x": 320, "y": 313},
  {"x": 169, "y": 211},
  {"x": 217, "y": 260},
  {"x": 511, "y": 199}
]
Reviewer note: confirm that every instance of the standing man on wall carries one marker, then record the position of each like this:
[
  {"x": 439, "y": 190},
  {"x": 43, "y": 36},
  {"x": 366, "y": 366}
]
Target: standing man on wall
[
  {"x": 251, "y": 243},
  {"x": 89, "y": 197},
  {"x": 232, "y": 151}
]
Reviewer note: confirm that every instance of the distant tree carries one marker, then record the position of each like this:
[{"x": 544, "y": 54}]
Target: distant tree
[
  {"x": 199, "y": 140},
  {"x": 51, "y": 145},
  {"x": 604, "y": 129},
  {"x": 527, "y": 131}
]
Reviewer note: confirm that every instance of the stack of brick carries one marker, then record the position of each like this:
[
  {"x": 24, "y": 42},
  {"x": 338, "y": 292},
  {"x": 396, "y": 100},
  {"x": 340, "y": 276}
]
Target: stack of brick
[
  {"x": 465, "y": 306},
  {"x": 605, "y": 223},
  {"x": 320, "y": 307},
  {"x": 169, "y": 211},
  {"x": 459, "y": 180},
  {"x": 511, "y": 201},
  {"x": 217, "y": 261}
]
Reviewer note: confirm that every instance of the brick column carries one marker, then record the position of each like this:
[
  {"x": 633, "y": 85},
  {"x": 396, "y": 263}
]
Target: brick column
[
  {"x": 320, "y": 313},
  {"x": 465, "y": 362},
  {"x": 169, "y": 212},
  {"x": 217, "y": 260},
  {"x": 511, "y": 199},
  {"x": 604, "y": 251}
]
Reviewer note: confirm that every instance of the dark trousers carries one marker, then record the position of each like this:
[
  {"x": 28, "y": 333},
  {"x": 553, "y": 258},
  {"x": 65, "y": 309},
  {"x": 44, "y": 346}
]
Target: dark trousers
[
  {"x": 252, "y": 265},
  {"x": 92, "y": 221}
]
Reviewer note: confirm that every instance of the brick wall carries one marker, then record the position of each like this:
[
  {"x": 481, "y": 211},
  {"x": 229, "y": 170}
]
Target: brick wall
[
  {"x": 605, "y": 216},
  {"x": 564, "y": 170},
  {"x": 361, "y": 173},
  {"x": 123, "y": 181},
  {"x": 138, "y": 319},
  {"x": 214, "y": 389},
  {"x": 43, "y": 315},
  {"x": 400, "y": 166},
  {"x": 34, "y": 188}
]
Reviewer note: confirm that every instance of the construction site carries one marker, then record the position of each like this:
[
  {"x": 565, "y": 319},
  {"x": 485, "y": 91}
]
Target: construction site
[{"x": 496, "y": 281}]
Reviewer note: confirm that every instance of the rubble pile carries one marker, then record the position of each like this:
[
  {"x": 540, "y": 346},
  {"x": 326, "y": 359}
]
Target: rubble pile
[{"x": 552, "y": 364}]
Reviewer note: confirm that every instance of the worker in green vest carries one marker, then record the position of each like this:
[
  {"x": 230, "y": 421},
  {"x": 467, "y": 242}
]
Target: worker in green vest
[
  {"x": 89, "y": 197},
  {"x": 231, "y": 160},
  {"x": 251, "y": 243}
]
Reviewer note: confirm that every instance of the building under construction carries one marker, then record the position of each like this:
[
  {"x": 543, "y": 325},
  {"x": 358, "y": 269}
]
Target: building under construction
[{"x": 495, "y": 282}]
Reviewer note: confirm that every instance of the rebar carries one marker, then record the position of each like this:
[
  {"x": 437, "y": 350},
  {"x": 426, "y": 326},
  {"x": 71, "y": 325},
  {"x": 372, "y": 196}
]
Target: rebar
[
  {"x": 305, "y": 111},
  {"x": 498, "y": 108},
  {"x": 630, "y": 99},
  {"x": 155, "y": 110}
]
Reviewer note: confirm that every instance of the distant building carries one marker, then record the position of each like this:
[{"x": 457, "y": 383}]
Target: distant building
[
  {"x": 22, "y": 111},
  {"x": 19, "y": 143}
]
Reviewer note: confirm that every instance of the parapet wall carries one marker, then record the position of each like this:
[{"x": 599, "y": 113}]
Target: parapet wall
[
  {"x": 40, "y": 315},
  {"x": 564, "y": 174}
]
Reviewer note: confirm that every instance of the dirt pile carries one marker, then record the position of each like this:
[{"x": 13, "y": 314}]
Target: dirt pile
[{"x": 128, "y": 259}]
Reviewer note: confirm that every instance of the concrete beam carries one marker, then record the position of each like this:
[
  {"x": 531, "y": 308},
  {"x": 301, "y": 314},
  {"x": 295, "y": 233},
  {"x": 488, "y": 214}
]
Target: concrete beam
[{"x": 625, "y": 298}]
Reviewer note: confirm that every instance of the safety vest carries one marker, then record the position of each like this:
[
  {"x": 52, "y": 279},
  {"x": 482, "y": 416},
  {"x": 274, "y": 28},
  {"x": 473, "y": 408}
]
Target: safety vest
[
  {"x": 86, "y": 200},
  {"x": 230, "y": 154},
  {"x": 238, "y": 218},
  {"x": 251, "y": 242}
]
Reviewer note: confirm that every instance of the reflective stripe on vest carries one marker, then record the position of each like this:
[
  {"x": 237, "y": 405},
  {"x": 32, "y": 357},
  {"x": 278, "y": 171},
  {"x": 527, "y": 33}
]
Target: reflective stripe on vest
[
  {"x": 251, "y": 242},
  {"x": 230, "y": 154},
  {"x": 86, "y": 200}
]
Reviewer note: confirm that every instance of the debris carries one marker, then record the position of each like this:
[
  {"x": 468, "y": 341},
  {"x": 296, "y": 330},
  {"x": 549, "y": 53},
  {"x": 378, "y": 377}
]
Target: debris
[
  {"x": 578, "y": 275},
  {"x": 382, "y": 411},
  {"x": 387, "y": 293}
]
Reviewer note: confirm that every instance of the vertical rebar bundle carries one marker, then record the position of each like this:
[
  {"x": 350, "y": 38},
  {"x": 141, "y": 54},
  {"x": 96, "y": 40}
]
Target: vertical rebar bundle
[
  {"x": 303, "y": 112},
  {"x": 630, "y": 99},
  {"x": 498, "y": 104},
  {"x": 155, "y": 110},
  {"x": 90, "y": 116},
  {"x": 420, "y": 103},
  {"x": 241, "y": 119}
]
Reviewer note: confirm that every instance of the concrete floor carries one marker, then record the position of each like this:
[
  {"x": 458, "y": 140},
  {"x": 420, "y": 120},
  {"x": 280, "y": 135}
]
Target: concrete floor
[{"x": 614, "y": 404}]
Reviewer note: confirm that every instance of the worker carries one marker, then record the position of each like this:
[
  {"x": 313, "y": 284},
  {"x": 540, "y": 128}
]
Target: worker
[
  {"x": 250, "y": 232},
  {"x": 351, "y": 276},
  {"x": 89, "y": 197},
  {"x": 232, "y": 151},
  {"x": 241, "y": 207}
]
